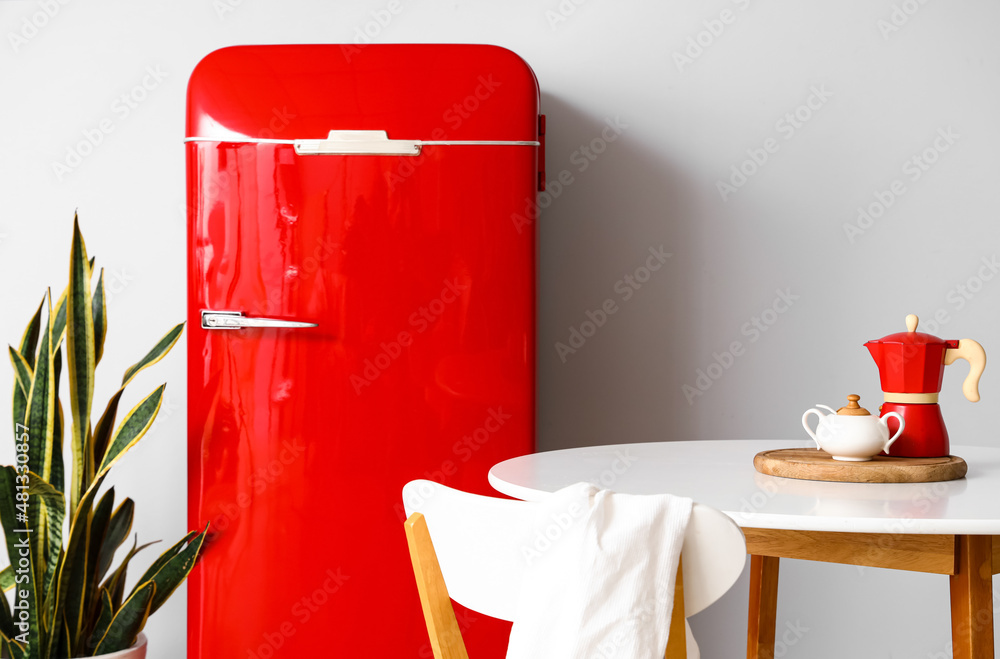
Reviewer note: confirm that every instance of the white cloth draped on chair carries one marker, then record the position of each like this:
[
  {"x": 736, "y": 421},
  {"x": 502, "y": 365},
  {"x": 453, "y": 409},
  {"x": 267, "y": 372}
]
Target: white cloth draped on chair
[{"x": 600, "y": 575}]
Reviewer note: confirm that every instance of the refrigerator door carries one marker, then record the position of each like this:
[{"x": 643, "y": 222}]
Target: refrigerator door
[{"x": 362, "y": 313}]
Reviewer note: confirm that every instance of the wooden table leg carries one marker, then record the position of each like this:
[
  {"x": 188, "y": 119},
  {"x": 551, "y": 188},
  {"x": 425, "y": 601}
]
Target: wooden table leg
[
  {"x": 763, "y": 607},
  {"x": 972, "y": 598}
]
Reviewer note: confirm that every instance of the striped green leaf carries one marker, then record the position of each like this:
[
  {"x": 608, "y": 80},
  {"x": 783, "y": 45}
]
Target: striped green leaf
[
  {"x": 128, "y": 621},
  {"x": 29, "y": 340},
  {"x": 6, "y": 619},
  {"x": 103, "y": 429},
  {"x": 135, "y": 424},
  {"x": 73, "y": 580},
  {"x": 6, "y": 578},
  {"x": 59, "y": 326},
  {"x": 156, "y": 354},
  {"x": 27, "y": 594},
  {"x": 98, "y": 529},
  {"x": 53, "y": 505},
  {"x": 11, "y": 648},
  {"x": 80, "y": 353},
  {"x": 22, "y": 371},
  {"x": 41, "y": 408},
  {"x": 104, "y": 617},
  {"x": 115, "y": 584},
  {"x": 99, "y": 311},
  {"x": 118, "y": 530},
  {"x": 169, "y": 574}
]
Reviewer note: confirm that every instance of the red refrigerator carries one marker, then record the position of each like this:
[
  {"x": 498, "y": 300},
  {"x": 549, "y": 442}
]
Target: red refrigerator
[{"x": 361, "y": 307}]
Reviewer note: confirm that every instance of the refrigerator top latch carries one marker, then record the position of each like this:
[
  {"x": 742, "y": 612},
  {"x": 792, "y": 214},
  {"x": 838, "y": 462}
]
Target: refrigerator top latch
[{"x": 357, "y": 143}]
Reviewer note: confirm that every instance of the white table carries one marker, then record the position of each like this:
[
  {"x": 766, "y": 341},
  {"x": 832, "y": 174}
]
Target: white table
[{"x": 950, "y": 528}]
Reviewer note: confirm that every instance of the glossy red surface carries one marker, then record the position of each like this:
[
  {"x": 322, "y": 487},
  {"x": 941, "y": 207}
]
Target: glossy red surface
[
  {"x": 924, "y": 434},
  {"x": 422, "y": 364},
  {"x": 910, "y": 367}
]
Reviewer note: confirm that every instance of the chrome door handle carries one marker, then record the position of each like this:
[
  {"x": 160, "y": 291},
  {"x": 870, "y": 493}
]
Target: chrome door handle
[{"x": 216, "y": 320}]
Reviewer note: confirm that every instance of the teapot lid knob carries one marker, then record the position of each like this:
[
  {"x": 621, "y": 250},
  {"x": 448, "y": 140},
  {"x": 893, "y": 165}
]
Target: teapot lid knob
[
  {"x": 911, "y": 323},
  {"x": 852, "y": 408}
]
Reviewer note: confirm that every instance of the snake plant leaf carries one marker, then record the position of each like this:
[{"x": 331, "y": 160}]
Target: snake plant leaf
[
  {"x": 104, "y": 617},
  {"x": 135, "y": 424},
  {"x": 26, "y": 595},
  {"x": 12, "y": 648},
  {"x": 41, "y": 407},
  {"x": 6, "y": 578},
  {"x": 80, "y": 353},
  {"x": 98, "y": 530},
  {"x": 27, "y": 348},
  {"x": 173, "y": 571},
  {"x": 53, "y": 503},
  {"x": 6, "y": 619},
  {"x": 57, "y": 476},
  {"x": 29, "y": 340},
  {"x": 156, "y": 354},
  {"x": 115, "y": 584},
  {"x": 118, "y": 530},
  {"x": 73, "y": 581},
  {"x": 99, "y": 311},
  {"x": 128, "y": 621},
  {"x": 22, "y": 371},
  {"x": 165, "y": 557},
  {"x": 59, "y": 326},
  {"x": 102, "y": 431}
]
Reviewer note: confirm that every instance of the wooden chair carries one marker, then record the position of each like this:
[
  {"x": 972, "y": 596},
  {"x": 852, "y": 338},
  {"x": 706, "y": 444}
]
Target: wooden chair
[{"x": 476, "y": 551}]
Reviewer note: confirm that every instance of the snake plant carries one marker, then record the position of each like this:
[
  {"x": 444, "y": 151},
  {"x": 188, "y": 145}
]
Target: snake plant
[{"x": 67, "y": 600}]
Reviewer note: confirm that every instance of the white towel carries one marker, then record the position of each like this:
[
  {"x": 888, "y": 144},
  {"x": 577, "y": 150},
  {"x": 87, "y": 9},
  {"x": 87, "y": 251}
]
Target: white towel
[{"x": 600, "y": 576}]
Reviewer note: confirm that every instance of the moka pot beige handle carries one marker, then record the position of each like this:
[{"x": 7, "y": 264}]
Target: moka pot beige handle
[{"x": 973, "y": 353}]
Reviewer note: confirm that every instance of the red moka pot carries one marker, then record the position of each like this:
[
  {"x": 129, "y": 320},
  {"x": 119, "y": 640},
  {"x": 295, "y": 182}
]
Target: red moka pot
[
  {"x": 361, "y": 306},
  {"x": 911, "y": 369}
]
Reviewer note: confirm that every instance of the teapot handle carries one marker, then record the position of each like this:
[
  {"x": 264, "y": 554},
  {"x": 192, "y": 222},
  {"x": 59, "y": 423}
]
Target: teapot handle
[
  {"x": 973, "y": 353},
  {"x": 899, "y": 431},
  {"x": 805, "y": 424}
]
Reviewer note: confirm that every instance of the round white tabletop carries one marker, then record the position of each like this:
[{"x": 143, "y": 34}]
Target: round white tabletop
[{"x": 721, "y": 474}]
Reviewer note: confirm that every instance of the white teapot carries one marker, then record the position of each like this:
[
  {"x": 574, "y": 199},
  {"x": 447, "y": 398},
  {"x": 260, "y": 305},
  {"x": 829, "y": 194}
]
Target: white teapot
[{"x": 851, "y": 433}]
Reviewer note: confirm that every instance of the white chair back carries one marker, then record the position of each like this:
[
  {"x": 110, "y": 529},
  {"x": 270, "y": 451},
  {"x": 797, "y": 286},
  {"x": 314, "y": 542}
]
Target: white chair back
[{"x": 480, "y": 544}]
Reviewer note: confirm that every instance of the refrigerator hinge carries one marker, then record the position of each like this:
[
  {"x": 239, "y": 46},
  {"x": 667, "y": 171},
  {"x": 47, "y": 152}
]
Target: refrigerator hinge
[{"x": 541, "y": 153}]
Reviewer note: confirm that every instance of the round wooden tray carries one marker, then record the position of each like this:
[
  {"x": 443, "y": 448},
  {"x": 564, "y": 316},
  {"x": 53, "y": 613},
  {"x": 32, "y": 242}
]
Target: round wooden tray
[{"x": 814, "y": 465}]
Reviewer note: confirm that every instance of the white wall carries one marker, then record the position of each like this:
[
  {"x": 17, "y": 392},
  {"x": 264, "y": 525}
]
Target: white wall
[{"x": 890, "y": 93}]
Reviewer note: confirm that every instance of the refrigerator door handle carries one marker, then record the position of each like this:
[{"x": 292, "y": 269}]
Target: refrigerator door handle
[
  {"x": 357, "y": 143},
  {"x": 230, "y": 320}
]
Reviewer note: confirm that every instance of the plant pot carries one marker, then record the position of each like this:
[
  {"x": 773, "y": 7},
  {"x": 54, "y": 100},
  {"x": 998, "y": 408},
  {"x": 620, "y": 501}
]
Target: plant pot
[{"x": 137, "y": 651}]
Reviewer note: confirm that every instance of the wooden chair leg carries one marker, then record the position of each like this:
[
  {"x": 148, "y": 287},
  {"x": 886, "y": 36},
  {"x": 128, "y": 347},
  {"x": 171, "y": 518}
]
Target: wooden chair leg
[
  {"x": 763, "y": 607},
  {"x": 677, "y": 642},
  {"x": 972, "y": 598},
  {"x": 442, "y": 626}
]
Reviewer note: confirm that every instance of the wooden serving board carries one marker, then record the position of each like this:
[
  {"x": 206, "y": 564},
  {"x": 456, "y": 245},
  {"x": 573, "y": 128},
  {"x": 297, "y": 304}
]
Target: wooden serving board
[{"x": 815, "y": 465}]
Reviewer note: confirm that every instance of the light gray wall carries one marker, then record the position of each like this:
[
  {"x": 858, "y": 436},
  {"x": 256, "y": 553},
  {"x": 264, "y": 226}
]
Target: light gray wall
[{"x": 886, "y": 95}]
